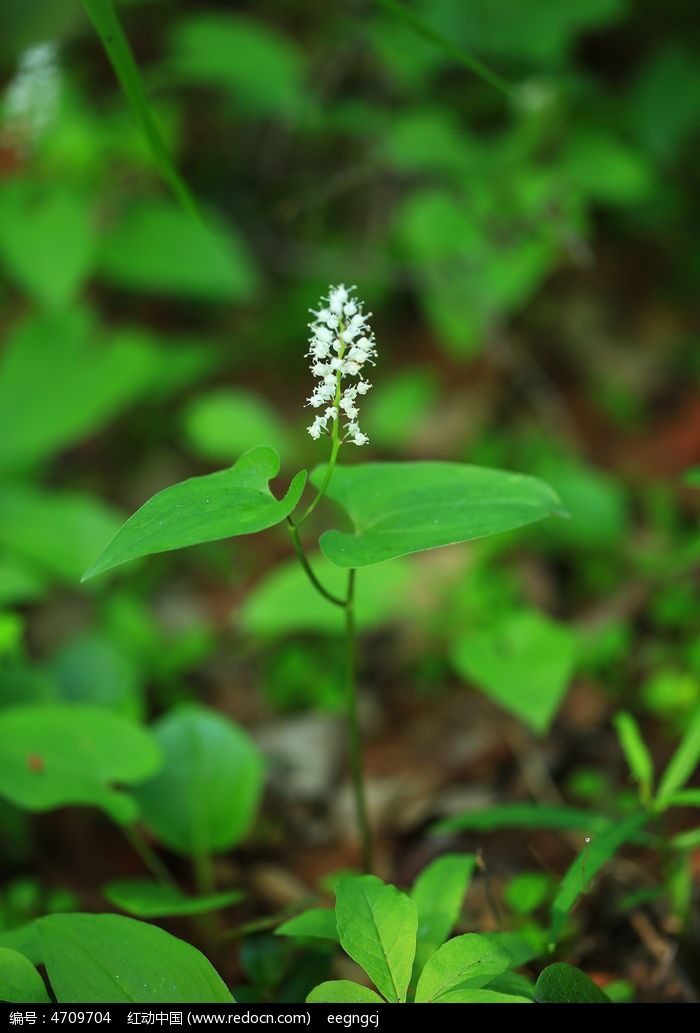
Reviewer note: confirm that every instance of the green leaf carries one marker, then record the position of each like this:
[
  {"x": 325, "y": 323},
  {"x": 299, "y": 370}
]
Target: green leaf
[
  {"x": 682, "y": 763},
  {"x": 468, "y": 961},
  {"x": 400, "y": 508},
  {"x": 204, "y": 509},
  {"x": 636, "y": 753},
  {"x": 24, "y": 940},
  {"x": 590, "y": 859},
  {"x": 158, "y": 248},
  {"x": 53, "y": 756},
  {"x": 59, "y": 381},
  {"x": 220, "y": 425},
  {"x": 480, "y": 997},
  {"x": 56, "y": 532},
  {"x": 438, "y": 894},
  {"x": 46, "y": 240},
  {"x": 153, "y": 900},
  {"x": 316, "y": 922},
  {"x": 259, "y": 68},
  {"x": 526, "y": 816},
  {"x": 377, "y": 926},
  {"x": 343, "y": 991},
  {"x": 109, "y": 959},
  {"x": 524, "y": 662},
  {"x": 20, "y": 983},
  {"x": 206, "y": 795},
  {"x": 565, "y": 984},
  {"x": 108, "y": 27}
]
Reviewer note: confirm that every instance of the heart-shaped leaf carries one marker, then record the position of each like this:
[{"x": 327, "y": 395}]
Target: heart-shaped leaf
[
  {"x": 377, "y": 926},
  {"x": 524, "y": 663},
  {"x": 56, "y": 755},
  {"x": 400, "y": 508},
  {"x": 204, "y": 509},
  {"x": 101, "y": 959}
]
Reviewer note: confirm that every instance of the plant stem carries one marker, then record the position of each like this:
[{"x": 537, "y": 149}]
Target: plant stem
[
  {"x": 149, "y": 856},
  {"x": 301, "y": 556},
  {"x": 353, "y": 720}
]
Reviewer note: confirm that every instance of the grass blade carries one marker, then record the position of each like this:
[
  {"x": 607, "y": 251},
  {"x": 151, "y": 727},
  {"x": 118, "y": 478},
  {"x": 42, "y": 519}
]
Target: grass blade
[{"x": 108, "y": 27}]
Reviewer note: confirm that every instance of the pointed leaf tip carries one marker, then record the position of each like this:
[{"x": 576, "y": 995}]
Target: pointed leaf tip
[{"x": 219, "y": 505}]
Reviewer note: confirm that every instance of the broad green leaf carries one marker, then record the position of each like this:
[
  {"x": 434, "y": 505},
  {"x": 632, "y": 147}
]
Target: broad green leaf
[
  {"x": 206, "y": 795},
  {"x": 108, "y": 27},
  {"x": 524, "y": 663},
  {"x": 61, "y": 380},
  {"x": 438, "y": 894},
  {"x": 400, "y": 508},
  {"x": 46, "y": 240},
  {"x": 110, "y": 959},
  {"x": 154, "y": 900},
  {"x": 158, "y": 248},
  {"x": 513, "y": 984},
  {"x": 636, "y": 753},
  {"x": 24, "y": 940},
  {"x": 526, "y": 816},
  {"x": 565, "y": 984},
  {"x": 91, "y": 668},
  {"x": 54, "y": 755},
  {"x": 204, "y": 509},
  {"x": 480, "y": 997},
  {"x": 286, "y": 602},
  {"x": 55, "y": 532},
  {"x": 343, "y": 991},
  {"x": 682, "y": 763},
  {"x": 523, "y": 946},
  {"x": 590, "y": 859},
  {"x": 20, "y": 983},
  {"x": 223, "y": 424},
  {"x": 377, "y": 926},
  {"x": 316, "y": 922},
  {"x": 259, "y": 68},
  {"x": 468, "y": 961}
]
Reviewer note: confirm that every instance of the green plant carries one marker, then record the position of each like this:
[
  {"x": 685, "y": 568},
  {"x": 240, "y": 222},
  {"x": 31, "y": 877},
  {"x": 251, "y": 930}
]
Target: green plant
[{"x": 401, "y": 942}]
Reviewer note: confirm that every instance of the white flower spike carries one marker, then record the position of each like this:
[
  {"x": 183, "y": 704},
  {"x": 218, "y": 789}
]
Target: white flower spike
[{"x": 341, "y": 343}]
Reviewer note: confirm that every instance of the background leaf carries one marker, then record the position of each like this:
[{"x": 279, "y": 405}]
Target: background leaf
[
  {"x": 565, "y": 984},
  {"x": 205, "y": 796},
  {"x": 524, "y": 662},
  {"x": 154, "y": 900},
  {"x": 102, "y": 959},
  {"x": 400, "y": 508},
  {"x": 53, "y": 755},
  {"x": 377, "y": 926},
  {"x": 20, "y": 982},
  {"x": 156, "y": 247}
]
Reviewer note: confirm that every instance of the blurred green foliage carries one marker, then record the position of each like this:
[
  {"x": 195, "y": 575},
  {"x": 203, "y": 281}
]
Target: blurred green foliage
[{"x": 530, "y": 254}]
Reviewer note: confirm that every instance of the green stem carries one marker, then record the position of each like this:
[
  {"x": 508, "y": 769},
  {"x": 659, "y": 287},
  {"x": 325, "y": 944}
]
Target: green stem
[
  {"x": 354, "y": 729},
  {"x": 203, "y": 873},
  {"x": 149, "y": 857},
  {"x": 301, "y": 556}
]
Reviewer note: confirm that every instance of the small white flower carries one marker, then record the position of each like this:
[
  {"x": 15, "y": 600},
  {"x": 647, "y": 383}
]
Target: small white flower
[{"x": 341, "y": 343}]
